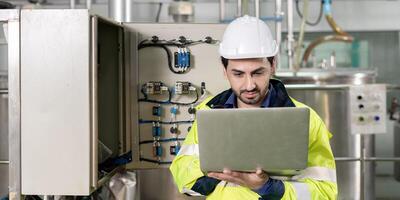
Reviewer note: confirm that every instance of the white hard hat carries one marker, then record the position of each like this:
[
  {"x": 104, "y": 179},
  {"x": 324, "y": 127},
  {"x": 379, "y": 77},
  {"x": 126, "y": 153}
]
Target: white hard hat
[{"x": 247, "y": 37}]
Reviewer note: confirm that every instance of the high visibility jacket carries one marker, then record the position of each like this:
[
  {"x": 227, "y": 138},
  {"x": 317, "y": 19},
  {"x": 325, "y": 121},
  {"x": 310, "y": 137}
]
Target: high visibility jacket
[{"x": 317, "y": 181}]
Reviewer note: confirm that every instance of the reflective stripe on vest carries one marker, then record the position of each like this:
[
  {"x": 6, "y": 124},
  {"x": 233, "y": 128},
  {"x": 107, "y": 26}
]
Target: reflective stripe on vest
[
  {"x": 302, "y": 192},
  {"x": 189, "y": 150},
  {"x": 317, "y": 173},
  {"x": 191, "y": 192}
]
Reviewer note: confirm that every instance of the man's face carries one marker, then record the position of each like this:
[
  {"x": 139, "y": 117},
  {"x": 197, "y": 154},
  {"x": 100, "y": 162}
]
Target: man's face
[{"x": 249, "y": 79}]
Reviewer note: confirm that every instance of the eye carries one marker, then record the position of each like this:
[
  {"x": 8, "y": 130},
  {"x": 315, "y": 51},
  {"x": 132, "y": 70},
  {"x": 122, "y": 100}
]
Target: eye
[
  {"x": 238, "y": 74},
  {"x": 258, "y": 73}
]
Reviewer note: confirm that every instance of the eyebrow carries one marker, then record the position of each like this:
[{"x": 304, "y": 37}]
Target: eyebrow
[
  {"x": 252, "y": 72},
  {"x": 258, "y": 70}
]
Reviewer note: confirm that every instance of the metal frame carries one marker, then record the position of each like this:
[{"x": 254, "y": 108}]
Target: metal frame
[
  {"x": 12, "y": 17},
  {"x": 93, "y": 102}
]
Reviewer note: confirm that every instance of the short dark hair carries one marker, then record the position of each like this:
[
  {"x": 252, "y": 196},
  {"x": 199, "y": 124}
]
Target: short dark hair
[{"x": 225, "y": 61}]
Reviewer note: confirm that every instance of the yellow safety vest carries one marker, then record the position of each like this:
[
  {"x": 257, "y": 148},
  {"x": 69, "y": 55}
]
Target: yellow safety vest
[{"x": 317, "y": 181}]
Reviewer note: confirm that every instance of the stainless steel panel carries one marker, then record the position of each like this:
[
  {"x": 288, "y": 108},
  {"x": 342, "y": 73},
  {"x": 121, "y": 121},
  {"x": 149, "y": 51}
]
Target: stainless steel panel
[
  {"x": 3, "y": 126},
  {"x": 3, "y": 180},
  {"x": 14, "y": 103},
  {"x": 397, "y": 150},
  {"x": 3, "y": 144},
  {"x": 55, "y": 105},
  {"x": 355, "y": 178}
]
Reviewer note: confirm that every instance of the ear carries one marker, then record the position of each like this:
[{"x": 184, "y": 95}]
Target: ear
[
  {"x": 273, "y": 67},
  {"x": 225, "y": 73}
]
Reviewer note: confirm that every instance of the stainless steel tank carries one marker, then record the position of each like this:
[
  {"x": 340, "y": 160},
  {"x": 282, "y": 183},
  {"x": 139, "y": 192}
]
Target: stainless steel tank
[{"x": 326, "y": 92}]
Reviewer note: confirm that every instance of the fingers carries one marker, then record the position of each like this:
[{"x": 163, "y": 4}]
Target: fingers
[
  {"x": 261, "y": 173},
  {"x": 224, "y": 177},
  {"x": 226, "y": 171}
]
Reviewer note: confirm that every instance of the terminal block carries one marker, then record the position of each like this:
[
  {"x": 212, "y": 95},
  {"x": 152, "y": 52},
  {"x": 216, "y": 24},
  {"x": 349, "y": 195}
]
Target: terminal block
[
  {"x": 156, "y": 130},
  {"x": 155, "y": 87},
  {"x": 182, "y": 59},
  {"x": 182, "y": 87},
  {"x": 157, "y": 149}
]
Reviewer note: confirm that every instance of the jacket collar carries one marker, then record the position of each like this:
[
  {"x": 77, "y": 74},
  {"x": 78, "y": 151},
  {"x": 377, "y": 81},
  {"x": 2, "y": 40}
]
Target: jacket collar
[{"x": 279, "y": 99}]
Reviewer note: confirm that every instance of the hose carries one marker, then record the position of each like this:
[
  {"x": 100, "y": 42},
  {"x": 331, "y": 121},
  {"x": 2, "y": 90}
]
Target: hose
[
  {"x": 340, "y": 35},
  {"x": 301, "y": 36}
]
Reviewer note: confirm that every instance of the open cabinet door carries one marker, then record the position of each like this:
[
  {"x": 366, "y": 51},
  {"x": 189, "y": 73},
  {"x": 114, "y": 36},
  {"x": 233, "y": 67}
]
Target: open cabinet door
[{"x": 72, "y": 101}]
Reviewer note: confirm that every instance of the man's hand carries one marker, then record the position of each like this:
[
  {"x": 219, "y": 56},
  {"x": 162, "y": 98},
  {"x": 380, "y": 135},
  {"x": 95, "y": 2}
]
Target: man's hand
[{"x": 251, "y": 180}]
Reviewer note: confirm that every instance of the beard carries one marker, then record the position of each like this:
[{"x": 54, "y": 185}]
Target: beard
[{"x": 250, "y": 101}]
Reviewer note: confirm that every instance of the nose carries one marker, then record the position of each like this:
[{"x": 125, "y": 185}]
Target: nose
[{"x": 250, "y": 83}]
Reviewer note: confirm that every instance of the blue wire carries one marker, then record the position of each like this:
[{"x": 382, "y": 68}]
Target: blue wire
[
  {"x": 162, "y": 140},
  {"x": 141, "y": 121}
]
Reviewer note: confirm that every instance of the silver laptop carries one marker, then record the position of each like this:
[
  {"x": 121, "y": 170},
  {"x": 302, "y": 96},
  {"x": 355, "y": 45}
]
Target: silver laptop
[{"x": 274, "y": 139}]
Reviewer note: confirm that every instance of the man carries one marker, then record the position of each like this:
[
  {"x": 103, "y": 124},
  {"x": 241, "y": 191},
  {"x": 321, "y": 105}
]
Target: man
[{"x": 247, "y": 53}]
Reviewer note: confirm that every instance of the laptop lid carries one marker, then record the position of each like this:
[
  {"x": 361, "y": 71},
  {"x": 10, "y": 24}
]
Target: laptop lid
[{"x": 275, "y": 139}]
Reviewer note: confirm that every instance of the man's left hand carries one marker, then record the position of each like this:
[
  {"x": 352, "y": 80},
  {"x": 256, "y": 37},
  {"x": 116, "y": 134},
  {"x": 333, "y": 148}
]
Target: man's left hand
[{"x": 252, "y": 180}]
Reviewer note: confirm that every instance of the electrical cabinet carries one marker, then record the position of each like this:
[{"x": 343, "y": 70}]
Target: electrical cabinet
[
  {"x": 73, "y": 100},
  {"x": 92, "y": 90}
]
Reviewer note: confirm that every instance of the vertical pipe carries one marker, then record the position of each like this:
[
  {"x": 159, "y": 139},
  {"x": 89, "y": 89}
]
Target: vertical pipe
[
  {"x": 278, "y": 29},
  {"x": 290, "y": 33},
  {"x": 239, "y": 8},
  {"x": 128, "y": 11},
  {"x": 72, "y": 4},
  {"x": 89, "y": 4},
  {"x": 120, "y": 10},
  {"x": 221, "y": 10},
  {"x": 257, "y": 8}
]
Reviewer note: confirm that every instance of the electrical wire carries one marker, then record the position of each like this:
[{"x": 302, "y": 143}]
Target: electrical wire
[
  {"x": 189, "y": 103},
  {"x": 307, "y": 22},
  {"x": 145, "y": 99},
  {"x": 141, "y": 121},
  {"x": 169, "y": 101},
  {"x": 159, "y": 12},
  {"x": 162, "y": 140},
  {"x": 181, "y": 43},
  {"x": 169, "y": 55},
  {"x": 155, "y": 161}
]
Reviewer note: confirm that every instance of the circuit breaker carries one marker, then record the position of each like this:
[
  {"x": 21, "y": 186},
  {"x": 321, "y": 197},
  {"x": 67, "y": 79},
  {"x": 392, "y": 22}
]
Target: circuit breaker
[{"x": 367, "y": 108}]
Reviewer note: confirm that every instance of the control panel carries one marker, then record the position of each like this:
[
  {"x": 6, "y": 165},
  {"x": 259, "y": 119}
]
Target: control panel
[{"x": 367, "y": 108}]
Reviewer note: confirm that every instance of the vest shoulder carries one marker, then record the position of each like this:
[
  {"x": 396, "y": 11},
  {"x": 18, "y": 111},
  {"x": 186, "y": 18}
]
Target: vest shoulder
[{"x": 313, "y": 114}]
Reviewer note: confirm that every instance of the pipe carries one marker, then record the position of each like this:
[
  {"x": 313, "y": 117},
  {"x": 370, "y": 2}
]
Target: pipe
[
  {"x": 5, "y": 162},
  {"x": 257, "y": 8},
  {"x": 324, "y": 39},
  {"x": 222, "y": 10},
  {"x": 290, "y": 33},
  {"x": 278, "y": 29},
  {"x": 72, "y": 4},
  {"x": 120, "y": 10},
  {"x": 89, "y": 4},
  {"x": 334, "y": 26},
  {"x": 301, "y": 37},
  {"x": 340, "y": 36},
  {"x": 239, "y": 8}
]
